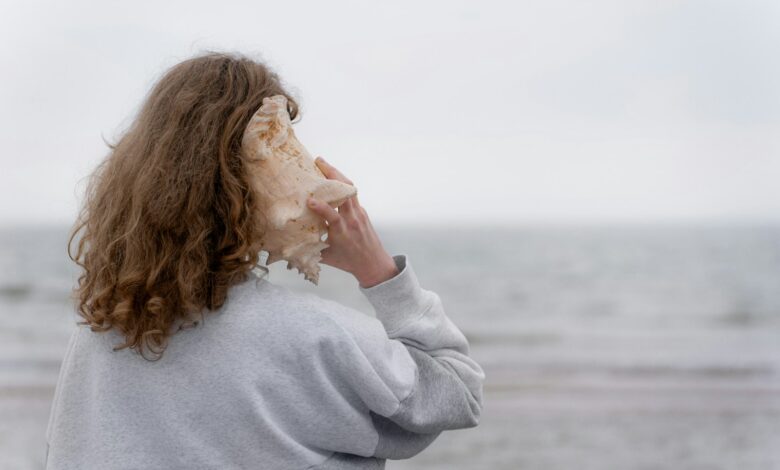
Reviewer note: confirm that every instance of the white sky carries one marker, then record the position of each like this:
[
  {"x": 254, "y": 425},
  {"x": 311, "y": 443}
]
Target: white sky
[{"x": 438, "y": 111}]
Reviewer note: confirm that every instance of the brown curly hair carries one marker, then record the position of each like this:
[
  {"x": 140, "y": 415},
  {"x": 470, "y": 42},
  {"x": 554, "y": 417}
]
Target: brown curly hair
[{"x": 169, "y": 221}]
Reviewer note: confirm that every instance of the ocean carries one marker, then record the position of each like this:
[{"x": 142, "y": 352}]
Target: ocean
[{"x": 604, "y": 347}]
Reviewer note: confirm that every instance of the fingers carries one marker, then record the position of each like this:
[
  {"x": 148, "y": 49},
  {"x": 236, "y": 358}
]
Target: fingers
[
  {"x": 354, "y": 205},
  {"x": 331, "y": 172},
  {"x": 346, "y": 207},
  {"x": 350, "y": 205},
  {"x": 325, "y": 211}
]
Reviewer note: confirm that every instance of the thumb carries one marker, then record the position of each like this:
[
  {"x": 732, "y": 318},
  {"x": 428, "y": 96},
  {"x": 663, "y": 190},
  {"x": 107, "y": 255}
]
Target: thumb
[{"x": 326, "y": 256}]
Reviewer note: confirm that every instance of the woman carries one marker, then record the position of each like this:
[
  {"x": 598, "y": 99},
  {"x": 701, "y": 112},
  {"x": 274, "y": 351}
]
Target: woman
[{"x": 185, "y": 358}]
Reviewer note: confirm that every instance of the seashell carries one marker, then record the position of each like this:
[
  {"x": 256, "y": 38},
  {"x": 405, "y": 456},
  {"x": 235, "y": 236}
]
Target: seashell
[{"x": 284, "y": 176}]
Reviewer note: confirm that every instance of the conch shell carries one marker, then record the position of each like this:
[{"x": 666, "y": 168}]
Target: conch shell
[{"x": 284, "y": 176}]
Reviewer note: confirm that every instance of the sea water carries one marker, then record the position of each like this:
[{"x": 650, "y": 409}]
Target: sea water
[{"x": 632, "y": 347}]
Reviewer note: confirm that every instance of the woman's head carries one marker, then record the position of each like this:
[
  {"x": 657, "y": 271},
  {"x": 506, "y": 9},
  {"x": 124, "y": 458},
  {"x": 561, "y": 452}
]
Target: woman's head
[{"x": 169, "y": 221}]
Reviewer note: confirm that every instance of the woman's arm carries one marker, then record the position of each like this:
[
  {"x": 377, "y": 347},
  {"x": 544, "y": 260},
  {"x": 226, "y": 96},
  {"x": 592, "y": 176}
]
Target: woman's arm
[
  {"x": 448, "y": 390},
  {"x": 410, "y": 366}
]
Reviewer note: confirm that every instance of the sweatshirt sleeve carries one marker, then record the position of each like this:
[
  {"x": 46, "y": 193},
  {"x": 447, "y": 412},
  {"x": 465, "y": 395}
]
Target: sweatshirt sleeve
[{"x": 410, "y": 366}]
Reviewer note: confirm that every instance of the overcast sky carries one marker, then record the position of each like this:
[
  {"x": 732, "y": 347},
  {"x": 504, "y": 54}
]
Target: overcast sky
[{"x": 438, "y": 111}]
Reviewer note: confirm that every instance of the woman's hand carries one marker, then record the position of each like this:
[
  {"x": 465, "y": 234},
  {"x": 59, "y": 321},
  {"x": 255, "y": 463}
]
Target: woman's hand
[{"x": 354, "y": 245}]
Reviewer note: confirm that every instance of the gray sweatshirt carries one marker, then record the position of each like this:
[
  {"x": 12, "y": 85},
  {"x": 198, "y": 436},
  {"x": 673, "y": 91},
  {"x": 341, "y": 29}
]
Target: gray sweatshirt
[{"x": 272, "y": 380}]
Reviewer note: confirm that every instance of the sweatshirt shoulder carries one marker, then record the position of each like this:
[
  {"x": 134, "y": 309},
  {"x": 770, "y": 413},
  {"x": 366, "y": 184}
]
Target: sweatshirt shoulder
[
  {"x": 350, "y": 333},
  {"x": 308, "y": 316},
  {"x": 340, "y": 322}
]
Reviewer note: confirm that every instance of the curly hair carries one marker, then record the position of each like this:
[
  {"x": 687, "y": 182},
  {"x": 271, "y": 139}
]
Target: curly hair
[{"x": 169, "y": 221}]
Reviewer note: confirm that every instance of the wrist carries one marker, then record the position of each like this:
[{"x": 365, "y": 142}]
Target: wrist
[{"x": 383, "y": 270}]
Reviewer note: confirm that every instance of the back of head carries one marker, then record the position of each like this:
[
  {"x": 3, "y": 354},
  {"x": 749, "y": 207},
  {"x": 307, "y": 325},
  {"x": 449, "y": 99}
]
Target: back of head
[{"x": 169, "y": 221}]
